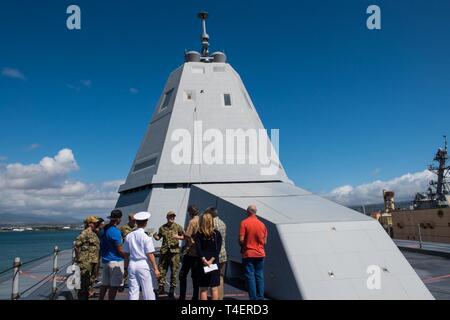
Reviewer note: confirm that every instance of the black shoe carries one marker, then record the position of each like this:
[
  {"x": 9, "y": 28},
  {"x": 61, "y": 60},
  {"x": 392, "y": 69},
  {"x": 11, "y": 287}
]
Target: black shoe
[
  {"x": 161, "y": 291},
  {"x": 172, "y": 293}
]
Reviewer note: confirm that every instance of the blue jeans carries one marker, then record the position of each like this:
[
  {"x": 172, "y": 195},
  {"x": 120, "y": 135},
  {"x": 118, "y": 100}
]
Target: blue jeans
[{"x": 254, "y": 274}]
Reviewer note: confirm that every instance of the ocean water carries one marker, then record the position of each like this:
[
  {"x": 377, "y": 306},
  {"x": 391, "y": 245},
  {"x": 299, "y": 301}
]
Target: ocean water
[{"x": 29, "y": 245}]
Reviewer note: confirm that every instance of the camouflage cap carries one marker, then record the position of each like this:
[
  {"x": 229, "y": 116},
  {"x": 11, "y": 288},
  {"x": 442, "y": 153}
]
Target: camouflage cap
[
  {"x": 170, "y": 213},
  {"x": 91, "y": 219}
]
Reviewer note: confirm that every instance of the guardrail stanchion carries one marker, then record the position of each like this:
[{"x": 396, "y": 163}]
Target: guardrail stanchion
[
  {"x": 420, "y": 236},
  {"x": 55, "y": 269},
  {"x": 15, "y": 295},
  {"x": 73, "y": 252}
]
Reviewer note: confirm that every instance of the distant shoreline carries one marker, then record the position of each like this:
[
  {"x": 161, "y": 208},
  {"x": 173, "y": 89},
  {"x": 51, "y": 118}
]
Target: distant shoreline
[{"x": 20, "y": 229}]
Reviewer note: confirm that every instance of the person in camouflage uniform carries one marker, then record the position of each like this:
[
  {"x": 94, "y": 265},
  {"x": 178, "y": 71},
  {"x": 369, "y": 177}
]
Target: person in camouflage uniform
[
  {"x": 98, "y": 229},
  {"x": 169, "y": 257},
  {"x": 87, "y": 254},
  {"x": 128, "y": 227}
]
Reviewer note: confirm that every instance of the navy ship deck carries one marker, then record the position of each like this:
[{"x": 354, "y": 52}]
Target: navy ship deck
[{"x": 433, "y": 270}]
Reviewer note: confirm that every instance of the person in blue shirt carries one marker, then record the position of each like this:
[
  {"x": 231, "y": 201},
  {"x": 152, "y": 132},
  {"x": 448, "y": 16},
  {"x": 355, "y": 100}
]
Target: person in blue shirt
[{"x": 112, "y": 257}]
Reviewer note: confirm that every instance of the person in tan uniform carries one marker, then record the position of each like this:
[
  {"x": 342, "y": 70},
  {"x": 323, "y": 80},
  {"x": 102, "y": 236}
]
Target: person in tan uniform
[
  {"x": 128, "y": 227},
  {"x": 87, "y": 255},
  {"x": 171, "y": 233}
]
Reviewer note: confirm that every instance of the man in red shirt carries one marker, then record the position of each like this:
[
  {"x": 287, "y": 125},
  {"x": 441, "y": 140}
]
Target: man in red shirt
[{"x": 252, "y": 238}]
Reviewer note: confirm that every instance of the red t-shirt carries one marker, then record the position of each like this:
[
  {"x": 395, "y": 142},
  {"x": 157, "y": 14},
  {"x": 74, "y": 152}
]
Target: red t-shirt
[{"x": 254, "y": 233}]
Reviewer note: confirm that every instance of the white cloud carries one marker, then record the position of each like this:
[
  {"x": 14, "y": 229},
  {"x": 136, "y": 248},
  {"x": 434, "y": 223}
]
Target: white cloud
[
  {"x": 49, "y": 172},
  {"x": 405, "y": 188},
  {"x": 71, "y": 86},
  {"x": 112, "y": 185},
  {"x": 45, "y": 188},
  {"x": 376, "y": 171},
  {"x": 86, "y": 83},
  {"x": 33, "y": 146},
  {"x": 80, "y": 84},
  {"x": 13, "y": 73},
  {"x": 134, "y": 90}
]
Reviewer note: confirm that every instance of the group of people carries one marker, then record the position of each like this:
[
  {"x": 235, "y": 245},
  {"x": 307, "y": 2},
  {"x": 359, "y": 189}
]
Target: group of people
[{"x": 127, "y": 255}]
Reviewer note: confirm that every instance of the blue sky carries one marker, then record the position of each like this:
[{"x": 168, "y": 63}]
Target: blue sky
[{"x": 353, "y": 105}]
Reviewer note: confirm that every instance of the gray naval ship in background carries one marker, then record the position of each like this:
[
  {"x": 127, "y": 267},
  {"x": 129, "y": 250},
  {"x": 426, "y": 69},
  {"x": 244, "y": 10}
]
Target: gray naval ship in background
[
  {"x": 316, "y": 248},
  {"x": 438, "y": 192},
  {"x": 428, "y": 216}
]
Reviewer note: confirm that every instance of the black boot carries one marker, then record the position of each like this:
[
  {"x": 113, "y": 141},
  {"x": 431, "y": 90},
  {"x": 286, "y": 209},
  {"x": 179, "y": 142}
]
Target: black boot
[
  {"x": 172, "y": 293},
  {"x": 161, "y": 290}
]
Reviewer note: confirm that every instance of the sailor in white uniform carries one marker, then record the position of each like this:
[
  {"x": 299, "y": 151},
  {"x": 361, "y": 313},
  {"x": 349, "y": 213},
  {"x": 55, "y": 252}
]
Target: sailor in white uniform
[{"x": 139, "y": 249}]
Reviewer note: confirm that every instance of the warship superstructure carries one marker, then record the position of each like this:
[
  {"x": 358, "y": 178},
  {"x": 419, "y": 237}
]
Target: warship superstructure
[
  {"x": 438, "y": 191},
  {"x": 428, "y": 218},
  {"x": 316, "y": 248}
]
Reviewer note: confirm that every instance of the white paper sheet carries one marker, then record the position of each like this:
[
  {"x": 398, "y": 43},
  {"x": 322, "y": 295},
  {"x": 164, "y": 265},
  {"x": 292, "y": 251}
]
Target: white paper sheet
[{"x": 210, "y": 268}]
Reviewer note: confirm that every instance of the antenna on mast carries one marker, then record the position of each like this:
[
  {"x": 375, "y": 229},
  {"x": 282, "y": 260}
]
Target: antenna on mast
[
  {"x": 204, "y": 56},
  {"x": 445, "y": 142},
  {"x": 205, "y": 37}
]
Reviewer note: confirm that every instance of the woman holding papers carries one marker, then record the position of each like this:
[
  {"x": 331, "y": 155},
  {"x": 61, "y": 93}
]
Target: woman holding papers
[{"x": 208, "y": 243}]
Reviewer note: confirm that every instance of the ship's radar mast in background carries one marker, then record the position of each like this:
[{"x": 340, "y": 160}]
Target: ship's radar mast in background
[
  {"x": 438, "y": 192},
  {"x": 389, "y": 203}
]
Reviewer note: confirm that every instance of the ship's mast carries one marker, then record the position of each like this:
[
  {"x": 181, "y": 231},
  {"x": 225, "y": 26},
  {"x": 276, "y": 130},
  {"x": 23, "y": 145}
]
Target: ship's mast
[
  {"x": 204, "y": 56},
  {"x": 204, "y": 37},
  {"x": 441, "y": 171}
]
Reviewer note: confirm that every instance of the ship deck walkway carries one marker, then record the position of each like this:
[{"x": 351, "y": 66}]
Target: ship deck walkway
[
  {"x": 35, "y": 282},
  {"x": 36, "y": 279},
  {"x": 434, "y": 272},
  {"x": 433, "y": 248}
]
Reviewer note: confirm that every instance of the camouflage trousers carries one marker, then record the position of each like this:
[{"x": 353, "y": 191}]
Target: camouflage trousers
[
  {"x": 169, "y": 261},
  {"x": 88, "y": 274}
]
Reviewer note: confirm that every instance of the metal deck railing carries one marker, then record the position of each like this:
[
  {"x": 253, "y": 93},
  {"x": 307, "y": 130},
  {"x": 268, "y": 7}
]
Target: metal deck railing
[{"x": 38, "y": 278}]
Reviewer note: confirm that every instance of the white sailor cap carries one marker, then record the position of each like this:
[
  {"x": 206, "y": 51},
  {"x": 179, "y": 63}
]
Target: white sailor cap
[{"x": 143, "y": 215}]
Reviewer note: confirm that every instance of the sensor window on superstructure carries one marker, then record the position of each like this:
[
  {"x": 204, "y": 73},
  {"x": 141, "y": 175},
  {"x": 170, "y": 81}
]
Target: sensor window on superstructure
[
  {"x": 166, "y": 100},
  {"x": 227, "y": 99}
]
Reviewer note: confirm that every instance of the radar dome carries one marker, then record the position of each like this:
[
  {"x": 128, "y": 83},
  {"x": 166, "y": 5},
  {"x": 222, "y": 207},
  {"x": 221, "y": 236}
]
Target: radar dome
[
  {"x": 219, "y": 57},
  {"x": 192, "y": 56}
]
